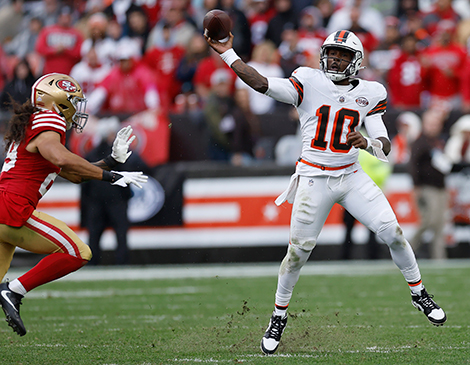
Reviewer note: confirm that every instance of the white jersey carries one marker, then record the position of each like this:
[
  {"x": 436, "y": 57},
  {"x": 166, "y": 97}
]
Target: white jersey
[{"x": 327, "y": 115}]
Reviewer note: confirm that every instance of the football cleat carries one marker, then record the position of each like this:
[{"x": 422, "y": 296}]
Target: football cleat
[
  {"x": 429, "y": 307},
  {"x": 272, "y": 337},
  {"x": 11, "y": 302}
]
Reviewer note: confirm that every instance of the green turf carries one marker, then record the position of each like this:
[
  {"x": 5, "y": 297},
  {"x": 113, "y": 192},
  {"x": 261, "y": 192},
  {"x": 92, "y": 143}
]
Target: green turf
[{"x": 338, "y": 319}]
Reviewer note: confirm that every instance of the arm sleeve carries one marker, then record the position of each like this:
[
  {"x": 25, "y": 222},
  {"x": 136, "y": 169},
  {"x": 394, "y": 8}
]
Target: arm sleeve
[
  {"x": 375, "y": 126},
  {"x": 282, "y": 90}
]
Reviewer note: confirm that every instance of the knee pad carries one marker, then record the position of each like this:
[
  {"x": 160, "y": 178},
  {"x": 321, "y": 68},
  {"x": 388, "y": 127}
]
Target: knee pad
[
  {"x": 302, "y": 238},
  {"x": 295, "y": 259},
  {"x": 391, "y": 233}
]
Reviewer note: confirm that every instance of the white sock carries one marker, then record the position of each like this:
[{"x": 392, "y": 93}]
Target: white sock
[
  {"x": 416, "y": 287},
  {"x": 404, "y": 257},
  {"x": 17, "y": 287},
  {"x": 289, "y": 273},
  {"x": 280, "y": 311}
]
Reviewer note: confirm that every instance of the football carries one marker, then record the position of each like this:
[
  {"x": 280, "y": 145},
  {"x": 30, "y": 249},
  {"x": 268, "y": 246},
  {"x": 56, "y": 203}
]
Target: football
[{"x": 217, "y": 25}]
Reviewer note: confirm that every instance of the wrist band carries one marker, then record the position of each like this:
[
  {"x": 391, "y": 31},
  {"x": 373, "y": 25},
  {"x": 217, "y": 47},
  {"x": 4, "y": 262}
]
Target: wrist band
[
  {"x": 229, "y": 57},
  {"x": 110, "y": 176},
  {"x": 110, "y": 161},
  {"x": 373, "y": 143}
]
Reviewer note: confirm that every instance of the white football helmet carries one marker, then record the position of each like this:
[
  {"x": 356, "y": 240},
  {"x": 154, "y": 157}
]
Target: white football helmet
[
  {"x": 62, "y": 94},
  {"x": 347, "y": 40}
]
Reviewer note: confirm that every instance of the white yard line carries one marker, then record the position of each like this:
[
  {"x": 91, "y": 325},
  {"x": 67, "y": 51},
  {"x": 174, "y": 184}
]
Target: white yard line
[{"x": 350, "y": 268}]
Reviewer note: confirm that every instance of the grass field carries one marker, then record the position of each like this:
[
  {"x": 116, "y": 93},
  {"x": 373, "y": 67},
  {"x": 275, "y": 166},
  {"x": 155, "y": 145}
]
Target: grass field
[{"x": 355, "y": 313}]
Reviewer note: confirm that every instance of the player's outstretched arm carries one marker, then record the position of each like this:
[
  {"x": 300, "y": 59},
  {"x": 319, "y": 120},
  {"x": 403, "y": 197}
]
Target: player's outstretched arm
[
  {"x": 75, "y": 168},
  {"x": 245, "y": 72},
  {"x": 125, "y": 178},
  {"x": 120, "y": 152}
]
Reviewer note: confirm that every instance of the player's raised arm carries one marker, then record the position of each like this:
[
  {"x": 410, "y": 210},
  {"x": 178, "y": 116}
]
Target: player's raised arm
[
  {"x": 247, "y": 73},
  {"x": 280, "y": 89}
]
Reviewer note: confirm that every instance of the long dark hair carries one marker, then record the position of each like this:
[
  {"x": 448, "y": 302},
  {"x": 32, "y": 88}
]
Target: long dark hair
[{"x": 16, "y": 129}]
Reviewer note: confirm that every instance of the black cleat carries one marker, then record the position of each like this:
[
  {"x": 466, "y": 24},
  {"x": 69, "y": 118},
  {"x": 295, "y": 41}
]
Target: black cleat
[
  {"x": 11, "y": 302},
  {"x": 272, "y": 337},
  {"x": 429, "y": 307}
]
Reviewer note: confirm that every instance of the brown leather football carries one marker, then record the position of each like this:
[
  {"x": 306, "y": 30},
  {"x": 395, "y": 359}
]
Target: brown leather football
[{"x": 217, "y": 25}]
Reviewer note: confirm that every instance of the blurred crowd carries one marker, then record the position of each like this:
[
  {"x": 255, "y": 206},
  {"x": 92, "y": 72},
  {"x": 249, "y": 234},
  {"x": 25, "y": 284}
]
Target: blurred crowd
[{"x": 135, "y": 55}]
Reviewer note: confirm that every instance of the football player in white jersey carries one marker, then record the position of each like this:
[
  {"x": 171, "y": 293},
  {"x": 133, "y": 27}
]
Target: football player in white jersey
[{"x": 333, "y": 105}]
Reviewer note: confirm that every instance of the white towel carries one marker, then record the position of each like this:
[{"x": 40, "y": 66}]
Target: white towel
[{"x": 289, "y": 193}]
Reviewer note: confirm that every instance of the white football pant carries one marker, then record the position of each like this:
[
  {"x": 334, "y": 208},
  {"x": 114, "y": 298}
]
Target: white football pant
[{"x": 357, "y": 193}]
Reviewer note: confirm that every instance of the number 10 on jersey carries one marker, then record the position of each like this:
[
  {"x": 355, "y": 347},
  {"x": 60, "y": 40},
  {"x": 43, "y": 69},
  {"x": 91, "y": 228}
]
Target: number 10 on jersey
[{"x": 344, "y": 117}]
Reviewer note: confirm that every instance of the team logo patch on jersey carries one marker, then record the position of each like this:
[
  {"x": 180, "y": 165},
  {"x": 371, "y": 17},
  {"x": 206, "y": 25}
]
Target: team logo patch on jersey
[
  {"x": 310, "y": 182},
  {"x": 67, "y": 85},
  {"x": 361, "y": 101}
]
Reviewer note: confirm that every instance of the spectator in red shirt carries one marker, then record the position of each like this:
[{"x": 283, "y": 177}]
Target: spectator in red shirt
[
  {"x": 259, "y": 15},
  {"x": 465, "y": 86},
  {"x": 406, "y": 76},
  {"x": 129, "y": 88},
  {"x": 60, "y": 44},
  {"x": 164, "y": 59},
  {"x": 444, "y": 61},
  {"x": 441, "y": 10},
  {"x": 204, "y": 71}
]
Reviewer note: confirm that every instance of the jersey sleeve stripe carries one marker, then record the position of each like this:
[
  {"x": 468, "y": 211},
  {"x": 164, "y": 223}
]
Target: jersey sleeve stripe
[
  {"x": 48, "y": 115},
  {"x": 50, "y": 120},
  {"x": 52, "y": 125},
  {"x": 381, "y": 107},
  {"x": 298, "y": 87}
]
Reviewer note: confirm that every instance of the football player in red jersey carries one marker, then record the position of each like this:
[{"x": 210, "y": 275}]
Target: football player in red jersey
[
  {"x": 36, "y": 155},
  {"x": 333, "y": 105}
]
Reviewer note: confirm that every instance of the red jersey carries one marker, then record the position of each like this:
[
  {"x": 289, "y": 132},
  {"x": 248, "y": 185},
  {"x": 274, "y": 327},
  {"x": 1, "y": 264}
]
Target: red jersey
[
  {"x": 405, "y": 81},
  {"x": 164, "y": 63},
  {"x": 259, "y": 25},
  {"x": 52, "y": 37},
  {"x": 27, "y": 176},
  {"x": 465, "y": 85},
  {"x": 446, "y": 64},
  {"x": 126, "y": 90},
  {"x": 207, "y": 67}
]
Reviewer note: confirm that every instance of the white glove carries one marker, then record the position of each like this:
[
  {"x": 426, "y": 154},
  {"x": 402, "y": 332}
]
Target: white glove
[
  {"x": 121, "y": 144},
  {"x": 125, "y": 178}
]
